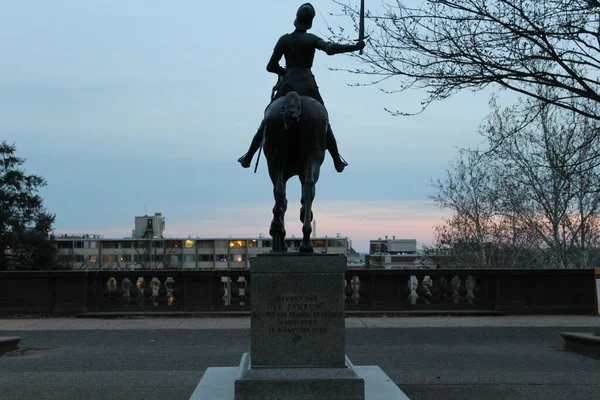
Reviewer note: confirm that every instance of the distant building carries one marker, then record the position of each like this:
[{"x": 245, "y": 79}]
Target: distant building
[
  {"x": 393, "y": 246},
  {"x": 148, "y": 249},
  {"x": 395, "y": 253},
  {"x": 148, "y": 227},
  {"x": 174, "y": 253}
]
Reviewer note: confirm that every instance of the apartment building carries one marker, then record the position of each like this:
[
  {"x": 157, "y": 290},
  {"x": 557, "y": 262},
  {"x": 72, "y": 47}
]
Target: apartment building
[
  {"x": 96, "y": 252},
  {"x": 396, "y": 254}
]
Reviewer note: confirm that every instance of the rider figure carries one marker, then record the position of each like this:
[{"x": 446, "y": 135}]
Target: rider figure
[{"x": 298, "y": 48}]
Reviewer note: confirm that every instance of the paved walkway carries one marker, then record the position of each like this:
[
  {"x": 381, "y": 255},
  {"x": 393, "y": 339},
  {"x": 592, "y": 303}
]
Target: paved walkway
[
  {"x": 244, "y": 323},
  {"x": 450, "y": 358}
]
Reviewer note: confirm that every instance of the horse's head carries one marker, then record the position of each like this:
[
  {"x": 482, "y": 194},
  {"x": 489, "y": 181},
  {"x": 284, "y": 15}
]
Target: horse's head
[{"x": 291, "y": 109}]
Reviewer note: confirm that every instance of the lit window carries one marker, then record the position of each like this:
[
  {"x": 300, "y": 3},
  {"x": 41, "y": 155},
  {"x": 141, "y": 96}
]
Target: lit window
[
  {"x": 238, "y": 257},
  {"x": 237, "y": 244},
  {"x": 189, "y": 244},
  {"x": 93, "y": 258},
  {"x": 109, "y": 258},
  {"x": 253, "y": 243}
]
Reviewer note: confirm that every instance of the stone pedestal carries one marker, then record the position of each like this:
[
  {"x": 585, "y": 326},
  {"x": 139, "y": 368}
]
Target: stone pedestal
[
  {"x": 297, "y": 342},
  {"x": 297, "y": 338}
]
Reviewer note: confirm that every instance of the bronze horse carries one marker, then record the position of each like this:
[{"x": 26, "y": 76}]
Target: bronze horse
[{"x": 295, "y": 141}]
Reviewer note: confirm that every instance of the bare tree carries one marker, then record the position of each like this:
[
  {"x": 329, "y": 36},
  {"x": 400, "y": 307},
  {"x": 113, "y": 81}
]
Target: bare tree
[
  {"x": 532, "y": 198},
  {"x": 446, "y": 46},
  {"x": 549, "y": 177},
  {"x": 469, "y": 191},
  {"x": 153, "y": 254}
]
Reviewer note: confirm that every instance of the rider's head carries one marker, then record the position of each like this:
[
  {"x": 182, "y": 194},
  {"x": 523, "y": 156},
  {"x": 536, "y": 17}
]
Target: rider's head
[{"x": 304, "y": 17}]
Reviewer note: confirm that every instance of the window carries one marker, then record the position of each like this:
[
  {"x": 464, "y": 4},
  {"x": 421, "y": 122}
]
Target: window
[
  {"x": 253, "y": 243},
  {"x": 140, "y": 244},
  {"x": 206, "y": 257},
  {"x": 222, "y": 257},
  {"x": 336, "y": 243},
  {"x": 175, "y": 258},
  {"x": 189, "y": 244},
  {"x": 266, "y": 243},
  {"x": 205, "y": 244},
  {"x": 93, "y": 258},
  {"x": 110, "y": 245},
  {"x": 238, "y": 258},
  {"x": 65, "y": 245},
  {"x": 125, "y": 258},
  {"x": 109, "y": 258},
  {"x": 157, "y": 244},
  {"x": 221, "y": 244},
  {"x": 79, "y": 258},
  {"x": 79, "y": 245},
  {"x": 92, "y": 244},
  {"x": 189, "y": 258},
  {"x": 157, "y": 258},
  {"x": 378, "y": 248},
  {"x": 237, "y": 244},
  {"x": 173, "y": 244},
  {"x": 318, "y": 243},
  {"x": 126, "y": 245}
]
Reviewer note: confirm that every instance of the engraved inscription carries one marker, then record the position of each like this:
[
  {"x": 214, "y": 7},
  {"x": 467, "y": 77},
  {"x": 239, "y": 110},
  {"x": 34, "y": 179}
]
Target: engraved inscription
[{"x": 296, "y": 315}]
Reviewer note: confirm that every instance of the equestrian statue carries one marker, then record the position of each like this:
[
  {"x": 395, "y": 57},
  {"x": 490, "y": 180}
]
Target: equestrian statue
[{"x": 295, "y": 132}]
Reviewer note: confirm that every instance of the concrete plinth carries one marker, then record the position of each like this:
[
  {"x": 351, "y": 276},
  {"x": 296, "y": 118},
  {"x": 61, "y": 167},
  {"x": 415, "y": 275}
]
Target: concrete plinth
[
  {"x": 297, "y": 338},
  {"x": 298, "y": 383},
  {"x": 218, "y": 384}
]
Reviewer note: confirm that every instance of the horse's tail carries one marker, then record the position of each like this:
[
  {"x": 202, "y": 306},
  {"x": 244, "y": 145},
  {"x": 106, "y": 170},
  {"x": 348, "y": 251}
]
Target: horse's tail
[{"x": 291, "y": 109}]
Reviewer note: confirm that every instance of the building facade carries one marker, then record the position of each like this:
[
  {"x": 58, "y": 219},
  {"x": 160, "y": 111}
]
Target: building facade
[
  {"x": 396, "y": 254},
  {"x": 97, "y": 253}
]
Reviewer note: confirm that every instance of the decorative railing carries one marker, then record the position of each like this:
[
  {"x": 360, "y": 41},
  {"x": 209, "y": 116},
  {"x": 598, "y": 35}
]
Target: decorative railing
[
  {"x": 419, "y": 289},
  {"x": 510, "y": 291}
]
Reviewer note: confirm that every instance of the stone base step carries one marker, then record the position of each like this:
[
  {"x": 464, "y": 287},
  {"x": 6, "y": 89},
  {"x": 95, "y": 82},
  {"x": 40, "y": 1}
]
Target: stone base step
[{"x": 218, "y": 384}]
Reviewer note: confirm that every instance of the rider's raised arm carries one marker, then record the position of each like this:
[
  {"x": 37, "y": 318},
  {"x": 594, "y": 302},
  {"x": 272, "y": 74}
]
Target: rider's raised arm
[
  {"x": 334, "y": 48},
  {"x": 273, "y": 65}
]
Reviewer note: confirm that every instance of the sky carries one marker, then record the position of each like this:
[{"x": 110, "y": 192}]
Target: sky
[{"x": 133, "y": 107}]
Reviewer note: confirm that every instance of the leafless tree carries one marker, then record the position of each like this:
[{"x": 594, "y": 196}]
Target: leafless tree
[
  {"x": 530, "y": 199},
  {"x": 68, "y": 259},
  {"x": 446, "y": 46},
  {"x": 153, "y": 254},
  {"x": 469, "y": 191},
  {"x": 549, "y": 177}
]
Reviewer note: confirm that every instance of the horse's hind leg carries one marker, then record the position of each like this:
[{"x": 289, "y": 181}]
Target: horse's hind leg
[
  {"x": 277, "y": 229},
  {"x": 308, "y": 195}
]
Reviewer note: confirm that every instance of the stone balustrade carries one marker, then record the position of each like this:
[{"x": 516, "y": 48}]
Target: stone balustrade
[{"x": 510, "y": 291}]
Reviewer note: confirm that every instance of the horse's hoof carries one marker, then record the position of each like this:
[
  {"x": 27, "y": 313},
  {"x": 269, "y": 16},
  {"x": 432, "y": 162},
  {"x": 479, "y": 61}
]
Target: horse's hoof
[{"x": 245, "y": 160}]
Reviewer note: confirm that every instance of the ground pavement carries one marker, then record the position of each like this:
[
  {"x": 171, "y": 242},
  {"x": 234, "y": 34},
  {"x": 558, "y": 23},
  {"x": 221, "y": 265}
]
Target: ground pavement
[{"x": 428, "y": 357}]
